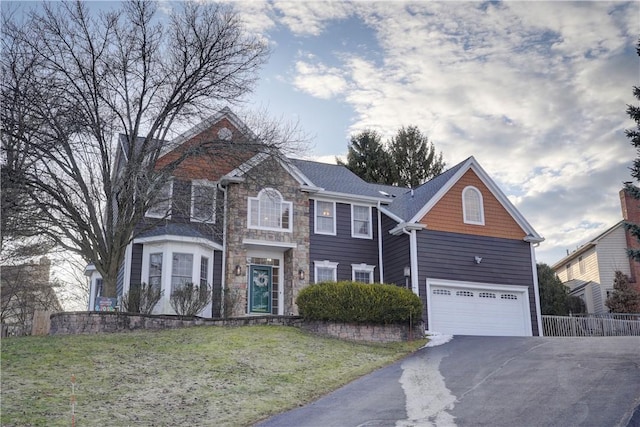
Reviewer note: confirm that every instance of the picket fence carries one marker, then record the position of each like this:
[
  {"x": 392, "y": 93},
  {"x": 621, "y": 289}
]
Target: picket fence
[{"x": 592, "y": 325}]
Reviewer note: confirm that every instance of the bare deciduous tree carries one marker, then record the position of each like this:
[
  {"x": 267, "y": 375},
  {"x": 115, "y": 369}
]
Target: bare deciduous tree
[{"x": 82, "y": 78}]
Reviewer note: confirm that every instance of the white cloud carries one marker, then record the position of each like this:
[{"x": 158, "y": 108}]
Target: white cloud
[
  {"x": 310, "y": 17},
  {"x": 536, "y": 91},
  {"x": 319, "y": 80}
]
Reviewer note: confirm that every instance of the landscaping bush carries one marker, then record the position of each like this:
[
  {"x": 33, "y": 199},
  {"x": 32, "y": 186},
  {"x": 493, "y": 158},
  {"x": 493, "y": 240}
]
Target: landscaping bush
[
  {"x": 141, "y": 299},
  {"x": 190, "y": 299},
  {"x": 359, "y": 303}
]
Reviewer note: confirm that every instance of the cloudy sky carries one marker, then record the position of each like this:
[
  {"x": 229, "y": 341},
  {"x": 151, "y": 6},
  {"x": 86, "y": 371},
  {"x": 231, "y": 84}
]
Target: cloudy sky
[{"x": 536, "y": 91}]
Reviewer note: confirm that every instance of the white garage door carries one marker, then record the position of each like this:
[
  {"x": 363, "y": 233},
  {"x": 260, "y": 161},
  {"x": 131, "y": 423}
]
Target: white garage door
[{"x": 478, "y": 309}]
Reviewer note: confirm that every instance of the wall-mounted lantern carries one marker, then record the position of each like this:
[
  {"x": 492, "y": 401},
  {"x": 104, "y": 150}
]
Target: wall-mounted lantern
[
  {"x": 407, "y": 274},
  {"x": 301, "y": 275},
  {"x": 238, "y": 270}
]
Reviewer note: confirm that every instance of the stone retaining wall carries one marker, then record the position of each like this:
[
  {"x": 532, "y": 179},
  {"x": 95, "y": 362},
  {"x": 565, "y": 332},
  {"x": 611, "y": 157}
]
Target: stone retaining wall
[
  {"x": 368, "y": 333},
  {"x": 94, "y": 322}
]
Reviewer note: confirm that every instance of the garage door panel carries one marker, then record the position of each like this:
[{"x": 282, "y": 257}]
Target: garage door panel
[{"x": 461, "y": 310}]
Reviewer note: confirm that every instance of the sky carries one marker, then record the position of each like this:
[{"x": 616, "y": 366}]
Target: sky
[{"x": 536, "y": 91}]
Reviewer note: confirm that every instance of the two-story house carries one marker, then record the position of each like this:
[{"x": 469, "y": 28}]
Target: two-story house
[
  {"x": 456, "y": 241},
  {"x": 589, "y": 271}
]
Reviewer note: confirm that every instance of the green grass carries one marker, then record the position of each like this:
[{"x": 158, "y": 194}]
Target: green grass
[{"x": 201, "y": 376}]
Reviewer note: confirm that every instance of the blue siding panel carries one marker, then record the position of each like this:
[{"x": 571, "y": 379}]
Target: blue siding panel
[
  {"x": 395, "y": 250},
  {"x": 450, "y": 256},
  {"x": 342, "y": 248}
]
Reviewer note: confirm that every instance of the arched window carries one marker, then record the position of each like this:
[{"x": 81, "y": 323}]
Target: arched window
[
  {"x": 472, "y": 206},
  {"x": 269, "y": 211}
]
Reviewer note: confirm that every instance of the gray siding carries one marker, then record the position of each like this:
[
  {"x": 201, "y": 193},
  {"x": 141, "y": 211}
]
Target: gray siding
[
  {"x": 450, "y": 256},
  {"x": 136, "y": 265},
  {"x": 342, "y": 248},
  {"x": 395, "y": 250}
]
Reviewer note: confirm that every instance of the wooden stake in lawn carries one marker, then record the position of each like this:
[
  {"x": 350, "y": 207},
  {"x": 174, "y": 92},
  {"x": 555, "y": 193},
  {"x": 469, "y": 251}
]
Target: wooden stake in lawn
[{"x": 73, "y": 400}]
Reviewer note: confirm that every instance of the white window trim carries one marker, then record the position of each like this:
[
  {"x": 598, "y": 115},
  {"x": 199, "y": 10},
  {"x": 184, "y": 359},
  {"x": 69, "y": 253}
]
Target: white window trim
[
  {"x": 362, "y": 268},
  {"x": 315, "y": 218},
  {"x": 203, "y": 183},
  {"x": 464, "y": 207},
  {"x": 168, "y": 215},
  {"x": 369, "y": 235},
  {"x": 261, "y": 227},
  {"x": 168, "y": 249},
  {"x": 325, "y": 264}
]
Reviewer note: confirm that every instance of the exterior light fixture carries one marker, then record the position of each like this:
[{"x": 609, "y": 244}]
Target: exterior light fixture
[
  {"x": 301, "y": 275},
  {"x": 407, "y": 274},
  {"x": 238, "y": 270},
  {"x": 478, "y": 259}
]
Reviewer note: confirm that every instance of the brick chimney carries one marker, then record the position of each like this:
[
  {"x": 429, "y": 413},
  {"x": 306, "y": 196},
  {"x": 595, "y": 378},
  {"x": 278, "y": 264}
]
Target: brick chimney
[{"x": 631, "y": 213}]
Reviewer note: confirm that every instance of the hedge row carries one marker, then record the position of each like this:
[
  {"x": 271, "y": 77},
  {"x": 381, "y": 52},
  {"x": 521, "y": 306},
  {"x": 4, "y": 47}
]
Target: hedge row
[{"x": 359, "y": 303}]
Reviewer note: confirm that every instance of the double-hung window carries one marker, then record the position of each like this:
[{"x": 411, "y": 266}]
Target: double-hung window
[
  {"x": 269, "y": 211},
  {"x": 161, "y": 202},
  {"x": 472, "y": 206},
  {"x": 325, "y": 217},
  {"x": 155, "y": 270},
  {"x": 361, "y": 221},
  {"x": 362, "y": 273},
  {"x": 181, "y": 270},
  {"x": 325, "y": 271},
  {"x": 203, "y": 201}
]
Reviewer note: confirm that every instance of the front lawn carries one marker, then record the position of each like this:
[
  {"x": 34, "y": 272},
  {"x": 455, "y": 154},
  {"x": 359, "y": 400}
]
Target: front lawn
[{"x": 200, "y": 376}]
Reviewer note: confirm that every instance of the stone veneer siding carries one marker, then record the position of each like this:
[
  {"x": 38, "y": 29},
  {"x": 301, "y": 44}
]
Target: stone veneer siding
[
  {"x": 72, "y": 323},
  {"x": 295, "y": 259}
]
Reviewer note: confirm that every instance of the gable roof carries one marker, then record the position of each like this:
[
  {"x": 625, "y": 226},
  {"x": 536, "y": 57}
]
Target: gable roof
[
  {"x": 408, "y": 204},
  {"x": 412, "y": 207},
  {"x": 206, "y": 124},
  {"x": 588, "y": 245}
]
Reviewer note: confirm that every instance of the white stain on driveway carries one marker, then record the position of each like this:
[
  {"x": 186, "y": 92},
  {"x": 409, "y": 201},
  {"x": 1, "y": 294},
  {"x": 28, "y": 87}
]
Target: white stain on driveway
[{"x": 427, "y": 397}]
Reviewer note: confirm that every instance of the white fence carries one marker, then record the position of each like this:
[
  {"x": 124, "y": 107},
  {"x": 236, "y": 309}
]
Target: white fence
[{"x": 591, "y": 325}]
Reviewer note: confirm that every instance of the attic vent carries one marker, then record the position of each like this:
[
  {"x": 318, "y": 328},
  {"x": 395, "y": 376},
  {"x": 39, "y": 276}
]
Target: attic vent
[{"x": 225, "y": 134}]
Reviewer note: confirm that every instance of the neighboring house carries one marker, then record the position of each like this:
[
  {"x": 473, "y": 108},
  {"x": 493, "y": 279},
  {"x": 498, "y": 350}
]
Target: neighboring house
[
  {"x": 589, "y": 271},
  {"x": 456, "y": 241},
  {"x": 26, "y": 288}
]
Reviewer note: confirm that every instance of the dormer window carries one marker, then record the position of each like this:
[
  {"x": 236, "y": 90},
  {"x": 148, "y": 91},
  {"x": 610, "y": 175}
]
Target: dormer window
[
  {"x": 472, "y": 206},
  {"x": 269, "y": 211},
  {"x": 203, "y": 201}
]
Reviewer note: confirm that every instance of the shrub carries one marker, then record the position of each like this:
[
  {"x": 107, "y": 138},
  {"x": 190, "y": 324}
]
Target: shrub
[
  {"x": 359, "y": 302},
  {"x": 190, "y": 299},
  {"x": 141, "y": 299}
]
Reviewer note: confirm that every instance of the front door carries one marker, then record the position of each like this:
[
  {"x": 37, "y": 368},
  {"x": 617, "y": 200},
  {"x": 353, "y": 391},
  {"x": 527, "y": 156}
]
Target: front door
[{"x": 260, "y": 283}]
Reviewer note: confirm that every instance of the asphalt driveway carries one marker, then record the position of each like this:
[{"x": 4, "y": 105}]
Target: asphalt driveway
[{"x": 491, "y": 381}]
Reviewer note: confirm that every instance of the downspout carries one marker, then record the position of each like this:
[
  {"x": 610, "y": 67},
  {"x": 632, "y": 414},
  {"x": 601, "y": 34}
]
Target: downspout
[
  {"x": 413, "y": 249},
  {"x": 380, "y": 258},
  {"x": 536, "y": 288},
  {"x": 223, "y": 279}
]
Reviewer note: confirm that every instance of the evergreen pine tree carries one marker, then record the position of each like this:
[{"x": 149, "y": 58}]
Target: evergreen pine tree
[
  {"x": 414, "y": 158},
  {"x": 624, "y": 299}
]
